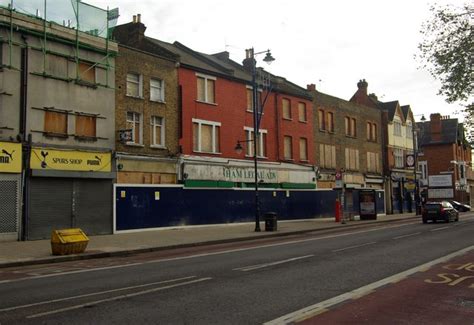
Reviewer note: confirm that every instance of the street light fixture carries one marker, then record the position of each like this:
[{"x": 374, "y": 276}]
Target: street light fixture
[{"x": 256, "y": 124}]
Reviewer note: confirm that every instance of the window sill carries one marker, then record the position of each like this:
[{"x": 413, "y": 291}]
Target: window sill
[
  {"x": 287, "y": 119},
  {"x": 208, "y": 153},
  {"x": 133, "y": 144},
  {"x": 288, "y": 159},
  {"x": 305, "y": 121},
  {"x": 155, "y": 146},
  {"x": 157, "y": 101},
  {"x": 136, "y": 97},
  {"x": 55, "y": 135},
  {"x": 85, "y": 83},
  {"x": 258, "y": 157},
  {"x": 322, "y": 131},
  {"x": 207, "y": 103},
  {"x": 351, "y": 136},
  {"x": 304, "y": 161}
]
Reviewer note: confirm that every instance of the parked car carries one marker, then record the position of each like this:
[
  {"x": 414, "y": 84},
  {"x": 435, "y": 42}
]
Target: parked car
[
  {"x": 442, "y": 210},
  {"x": 461, "y": 207}
]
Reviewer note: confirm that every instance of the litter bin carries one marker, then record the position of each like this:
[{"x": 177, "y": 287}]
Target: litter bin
[{"x": 270, "y": 221}]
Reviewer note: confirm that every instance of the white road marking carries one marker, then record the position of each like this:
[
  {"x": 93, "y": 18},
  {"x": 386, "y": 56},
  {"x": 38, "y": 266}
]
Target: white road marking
[
  {"x": 92, "y": 294},
  {"x": 261, "y": 266},
  {"x": 376, "y": 228},
  {"x": 352, "y": 247},
  {"x": 409, "y": 235},
  {"x": 130, "y": 295},
  {"x": 441, "y": 228},
  {"x": 313, "y": 310}
]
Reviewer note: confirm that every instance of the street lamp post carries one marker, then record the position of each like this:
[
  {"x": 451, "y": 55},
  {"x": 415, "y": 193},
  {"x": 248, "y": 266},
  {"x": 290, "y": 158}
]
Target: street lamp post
[{"x": 256, "y": 124}]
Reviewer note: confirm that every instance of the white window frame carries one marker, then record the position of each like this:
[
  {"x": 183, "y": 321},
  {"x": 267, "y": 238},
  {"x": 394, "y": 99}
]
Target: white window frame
[
  {"x": 211, "y": 123},
  {"x": 423, "y": 168},
  {"x": 140, "y": 84},
  {"x": 153, "y": 127},
  {"x": 206, "y": 95},
  {"x": 140, "y": 121},
  {"x": 260, "y": 139},
  {"x": 398, "y": 158},
  {"x": 160, "y": 90},
  {"x": 409, "y": 131},
  {"x": 397, "y": 128}
]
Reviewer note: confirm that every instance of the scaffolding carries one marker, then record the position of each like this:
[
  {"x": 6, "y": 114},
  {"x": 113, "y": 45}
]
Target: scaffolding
[{"x": 72, "y": 14}]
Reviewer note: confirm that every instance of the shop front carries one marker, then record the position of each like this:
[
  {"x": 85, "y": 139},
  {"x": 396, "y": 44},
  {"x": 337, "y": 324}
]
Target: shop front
[
  {"x": 69, "y": 188},
  {"x": 10, "y": 190},
  {"x": 227, "y": 173},
  {"x": 132, "y": 169}
]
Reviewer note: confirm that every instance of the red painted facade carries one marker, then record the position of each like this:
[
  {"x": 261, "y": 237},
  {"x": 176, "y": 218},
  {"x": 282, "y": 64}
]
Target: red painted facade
[{"x": 230, "y": 110}]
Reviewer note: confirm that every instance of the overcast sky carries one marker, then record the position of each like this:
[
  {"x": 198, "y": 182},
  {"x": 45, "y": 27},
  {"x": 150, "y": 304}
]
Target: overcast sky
[{"x": 332, "y": 43}]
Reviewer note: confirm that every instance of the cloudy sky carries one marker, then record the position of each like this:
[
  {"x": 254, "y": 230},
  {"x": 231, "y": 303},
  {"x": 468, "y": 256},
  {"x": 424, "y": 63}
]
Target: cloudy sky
[{"x": 332, "y": 44}]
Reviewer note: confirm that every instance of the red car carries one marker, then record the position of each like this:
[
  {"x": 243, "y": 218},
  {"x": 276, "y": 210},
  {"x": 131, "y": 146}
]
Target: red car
[{"x": 436, "y": 211}]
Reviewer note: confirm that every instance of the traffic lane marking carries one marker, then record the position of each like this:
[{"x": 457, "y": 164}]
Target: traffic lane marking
[
  {"x": 422, "y": 298},
  {"x": 261, "y": 266},
  {"x": 311, "y": 311},
  {"x": 352, "y": 247},
  {"x": 409, "y": 235},
  {"x": 121, "y": 297},
  {"x": 441, "y": 228},
  {"x": 92, "y": 294},
  {"x": 162, "y": 260}
]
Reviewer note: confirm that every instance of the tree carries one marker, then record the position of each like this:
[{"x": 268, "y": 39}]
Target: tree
[{"x": 447, "y": 52}]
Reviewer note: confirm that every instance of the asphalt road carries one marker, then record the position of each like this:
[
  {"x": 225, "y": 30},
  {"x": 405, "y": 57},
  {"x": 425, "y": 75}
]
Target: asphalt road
[{"x": 242, "y": 285}]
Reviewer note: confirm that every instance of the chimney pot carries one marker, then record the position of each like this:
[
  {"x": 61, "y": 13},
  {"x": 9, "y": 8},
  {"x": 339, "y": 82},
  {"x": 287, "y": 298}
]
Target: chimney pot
[
  {"x": 134, "y": 19},
  {"x": 139, "y": 18}
]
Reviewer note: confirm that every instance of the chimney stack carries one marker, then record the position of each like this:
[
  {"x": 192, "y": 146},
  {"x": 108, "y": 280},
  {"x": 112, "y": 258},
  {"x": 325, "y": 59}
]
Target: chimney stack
[
  {"x": 311, "y": 87},
  {"x": 248, "y": 62},
  {"x": 363, "y": 85},
  {"x": 134, "y": 19},
  {"x": 139, "y": 18},
  {"x": 435, "y": 127}
]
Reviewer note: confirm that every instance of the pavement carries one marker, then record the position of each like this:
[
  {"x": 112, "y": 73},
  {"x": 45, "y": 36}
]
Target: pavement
[{"x": 20, "y": 253}]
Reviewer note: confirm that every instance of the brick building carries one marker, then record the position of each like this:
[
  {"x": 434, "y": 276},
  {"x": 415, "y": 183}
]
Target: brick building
[
  {"x": 147, "y": 107},
  {"x": 217, "y": 112},
  {"x": 444, "y": 159},
  {"x": 397, "y": 145}
]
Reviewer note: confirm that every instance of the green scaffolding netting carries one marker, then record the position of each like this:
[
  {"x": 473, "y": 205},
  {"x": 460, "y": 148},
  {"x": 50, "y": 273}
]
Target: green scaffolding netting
[{"x": 70, "y": 13}]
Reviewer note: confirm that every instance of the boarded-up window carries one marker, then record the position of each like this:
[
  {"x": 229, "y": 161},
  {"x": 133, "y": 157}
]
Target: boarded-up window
[
  {"x": 321, "y": 120},
  {"x": 206, "y": 89},
  {"x": 302, "y": 112},
  {"x": 87, "y": 72},
  {"x": 85, "y": 126},
  {"x": 288, "y": 148},
  {"x": 286, "y": 109},
  {"x": 330, "y": 122},
  {"x": 303, "y": 149},
  {"x": 55, "y": 122},
  {"x": 206, "y": 136},
  {"x": 134, "y": 123},
  {"x": 249, "y": 100},
  {"x": 327, "y": 156},
  {"x": 352, "y": 159}
]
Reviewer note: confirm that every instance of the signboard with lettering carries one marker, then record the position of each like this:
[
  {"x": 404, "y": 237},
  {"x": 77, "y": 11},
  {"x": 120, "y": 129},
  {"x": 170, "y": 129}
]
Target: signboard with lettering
[
  {"x": 10, "y": 157},
  {"x": 440, "y": 180},
  {"x": 52, "y": 159},
  {"x": 440, "y": 193}
]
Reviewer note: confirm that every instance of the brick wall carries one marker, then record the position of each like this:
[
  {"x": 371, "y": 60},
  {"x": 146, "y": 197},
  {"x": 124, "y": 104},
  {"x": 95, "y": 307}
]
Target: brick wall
[{"x": 149, "y": 66}]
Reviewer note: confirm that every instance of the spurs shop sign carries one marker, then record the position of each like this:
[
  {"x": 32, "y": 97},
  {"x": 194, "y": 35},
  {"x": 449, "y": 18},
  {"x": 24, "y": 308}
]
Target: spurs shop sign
[
  {"x": 51, "y": 159},
  {"x": 10, "y": 157}
]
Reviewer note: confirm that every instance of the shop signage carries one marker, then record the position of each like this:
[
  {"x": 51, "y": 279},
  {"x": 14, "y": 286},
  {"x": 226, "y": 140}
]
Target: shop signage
[
  {"x": 52, "y": 159},
  {"x": 237, "y": 174},
  {"x": 10, "y": 157},
  {"x": 440, "y": 193},
  {"x": 440, "y": 180}
]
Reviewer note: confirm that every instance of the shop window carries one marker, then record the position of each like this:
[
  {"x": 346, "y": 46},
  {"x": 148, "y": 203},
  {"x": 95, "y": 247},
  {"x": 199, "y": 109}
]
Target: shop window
[
  {"x": 206, "y": 89},
  {"x": 157, "y": 131},
  {"x": 206, "y": 135},
  {"x": 287, "y": 148},
  {"x": 55, "y": 122},
  {"x": 86, "y": 126},
  {"x": 157, "y": 90},
  {"x": 134, "y": 122}
]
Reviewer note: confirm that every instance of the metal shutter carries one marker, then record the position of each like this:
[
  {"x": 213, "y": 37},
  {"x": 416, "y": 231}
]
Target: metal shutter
[
  {"x": 50, "y": 206},
  {"x": 93, "y": 205},
  {"x": 9, "y": 206}
]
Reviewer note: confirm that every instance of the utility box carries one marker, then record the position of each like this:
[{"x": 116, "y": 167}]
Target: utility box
[
  {"x": 68, "y": 241},
  {"x": 270, "y": 221}
]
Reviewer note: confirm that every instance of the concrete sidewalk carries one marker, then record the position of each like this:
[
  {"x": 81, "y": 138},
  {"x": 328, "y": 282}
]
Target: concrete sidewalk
[{"x": 39, "y": 251}]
